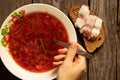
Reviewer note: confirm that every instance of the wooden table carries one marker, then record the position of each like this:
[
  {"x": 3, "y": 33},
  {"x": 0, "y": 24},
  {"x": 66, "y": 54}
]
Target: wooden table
[{"x": 105, "y": 65}]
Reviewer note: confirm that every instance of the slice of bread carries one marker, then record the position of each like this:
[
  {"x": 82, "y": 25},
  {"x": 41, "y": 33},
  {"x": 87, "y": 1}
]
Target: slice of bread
[{"x": 91, "y": 46}]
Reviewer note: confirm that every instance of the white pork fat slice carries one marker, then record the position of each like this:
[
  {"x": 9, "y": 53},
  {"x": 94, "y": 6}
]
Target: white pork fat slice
[
  {"x": 95, "y": 32},
  {"x": 86, "y": 31},
  {"x": 98, "y": 23},
  {"x": 84, "y": 11},
  {"x": 91, "y": 20},
  {"x": 79, "y": 23}
]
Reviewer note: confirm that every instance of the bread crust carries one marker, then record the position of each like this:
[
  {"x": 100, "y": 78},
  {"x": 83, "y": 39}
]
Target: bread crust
[{"x": 91, "y": 46}]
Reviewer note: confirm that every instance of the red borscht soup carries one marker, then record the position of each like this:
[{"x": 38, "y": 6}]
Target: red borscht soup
[{"x": 31, "y": 41}]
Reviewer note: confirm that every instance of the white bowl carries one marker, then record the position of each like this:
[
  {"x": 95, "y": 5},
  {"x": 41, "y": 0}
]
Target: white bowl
[{"x": 8, "y": 61}]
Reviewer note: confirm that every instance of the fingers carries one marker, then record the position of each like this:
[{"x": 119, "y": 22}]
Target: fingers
[
  {"x": 71, "y": 53},
  {"x": 80, "y": 59},
  {"x": 59, "y": 57},
  {"x": 57, "y": 63},
  {"x": 62, "y": 54},
  {"x": 70, "y": 56},
  {"x": 82, "y": 62},
  {"x": 58, "y": 60},
  {"x": 63, "y": 51}
]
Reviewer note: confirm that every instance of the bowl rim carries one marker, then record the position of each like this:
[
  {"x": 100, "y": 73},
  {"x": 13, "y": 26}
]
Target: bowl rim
[{"x": 7, "y": 62}]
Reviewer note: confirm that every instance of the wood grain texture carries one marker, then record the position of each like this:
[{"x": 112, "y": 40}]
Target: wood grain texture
[
  {"x": 118, "y": 56},
  {"x": 119, "y": 12},
  {"x": 6, "y": 7},
  {"x": 63, "y": 5},
  {"x": 103, "y": 65},
  {"x": 118, "y": 43}
]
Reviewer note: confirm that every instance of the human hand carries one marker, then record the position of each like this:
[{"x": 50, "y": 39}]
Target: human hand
[{"x": 73, "y": 65}]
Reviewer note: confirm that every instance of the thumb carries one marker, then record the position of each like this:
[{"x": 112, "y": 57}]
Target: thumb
[{"x": 71, "y": 53}]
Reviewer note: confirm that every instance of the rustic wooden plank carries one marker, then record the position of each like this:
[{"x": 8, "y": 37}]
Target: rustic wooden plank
[
  {"x": 118, "y": 43},
  {"x": 65, "y": 5},
  {"x": 6, "y": 7},
  {"x": 118, "y": 56},
  {"x": 103, "y": 65},
  {"x": 118, "y": 11}
]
